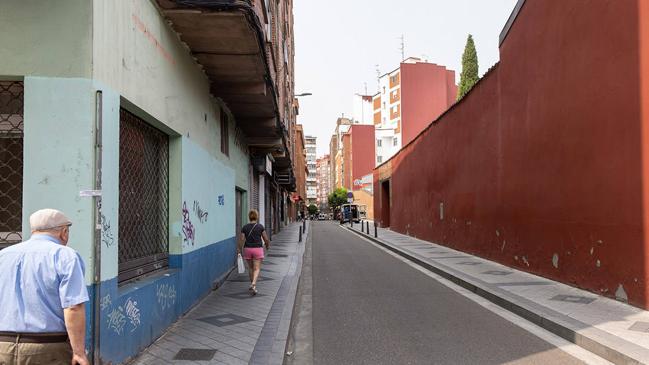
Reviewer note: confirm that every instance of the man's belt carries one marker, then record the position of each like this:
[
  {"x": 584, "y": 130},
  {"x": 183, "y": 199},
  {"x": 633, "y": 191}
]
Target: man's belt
[{"x": 16, "y": 337}]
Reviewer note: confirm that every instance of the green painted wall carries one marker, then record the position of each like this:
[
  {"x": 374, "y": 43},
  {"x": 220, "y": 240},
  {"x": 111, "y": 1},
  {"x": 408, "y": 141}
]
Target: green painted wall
[
  {"x": 46, "y": 38},
  {"x": 136, "y": 53},
  {"x": 59, "y": 155}
]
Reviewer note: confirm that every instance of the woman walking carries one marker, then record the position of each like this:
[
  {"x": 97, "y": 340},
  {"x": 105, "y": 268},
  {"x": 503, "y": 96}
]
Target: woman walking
[{"x": 250, "y": 240}]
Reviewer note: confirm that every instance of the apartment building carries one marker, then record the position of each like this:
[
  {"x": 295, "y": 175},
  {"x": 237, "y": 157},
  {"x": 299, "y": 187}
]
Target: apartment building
[
  {"x": 311, "y": 178},
  {"x": 410, "y": 97},
  {"x": 323, "y": 168}
]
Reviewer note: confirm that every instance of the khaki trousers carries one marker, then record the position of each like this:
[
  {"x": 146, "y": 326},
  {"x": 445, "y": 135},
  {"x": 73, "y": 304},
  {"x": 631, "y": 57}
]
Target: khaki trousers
[{"x": 35, "y": 353}]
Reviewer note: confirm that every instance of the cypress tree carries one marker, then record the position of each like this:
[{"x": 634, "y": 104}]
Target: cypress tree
[{"x": 469, "y": 75}]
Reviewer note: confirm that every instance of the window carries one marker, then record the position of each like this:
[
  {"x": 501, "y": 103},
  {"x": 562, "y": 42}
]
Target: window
[
  {"x": 395, "y": 141},
  {"x": 143, "y": 198},
  {"x": 11, "y": 162},
  {"x": 379, "y": 159},
  {"x": 378, "y": 143},
  {"x": 225, "y": 135}
]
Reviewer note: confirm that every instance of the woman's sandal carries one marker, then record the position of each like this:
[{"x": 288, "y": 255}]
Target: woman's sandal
[{"x": 253, "y": 290}]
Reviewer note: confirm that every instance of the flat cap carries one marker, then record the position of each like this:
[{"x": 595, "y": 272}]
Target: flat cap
[{"x": 45, "y": 219}]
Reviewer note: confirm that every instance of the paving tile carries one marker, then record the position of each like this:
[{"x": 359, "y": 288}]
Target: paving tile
[
  {"x": 195, "y": 354},
  {"x": 229, "y": 359},
  {"x": 640, "y": 327},
  {"x": 573, "y": 299},
  {"x": 225, "y": 320},
  {"x": 497, "y": 272}
]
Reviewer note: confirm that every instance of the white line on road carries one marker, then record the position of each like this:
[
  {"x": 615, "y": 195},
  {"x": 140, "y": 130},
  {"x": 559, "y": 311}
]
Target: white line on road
[{"x": 568, "y": 347}]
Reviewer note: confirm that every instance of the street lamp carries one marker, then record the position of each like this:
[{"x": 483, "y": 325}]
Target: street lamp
[{"x": 303, "y": 94}]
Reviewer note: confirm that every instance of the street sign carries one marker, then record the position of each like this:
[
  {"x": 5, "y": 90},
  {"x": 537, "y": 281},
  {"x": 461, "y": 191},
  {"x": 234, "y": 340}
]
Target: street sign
[
  {"x": 350, "y": 195},
  {"x": 350, "y": 200}
]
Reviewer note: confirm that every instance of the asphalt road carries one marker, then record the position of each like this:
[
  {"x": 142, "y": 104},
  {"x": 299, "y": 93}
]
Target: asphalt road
[{"x": 371, "y": 308}]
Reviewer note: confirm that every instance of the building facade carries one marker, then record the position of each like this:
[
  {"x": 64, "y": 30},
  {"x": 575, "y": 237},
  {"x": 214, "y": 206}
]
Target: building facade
[
  {"x": 311, "y": 178},
  {"x": 358, "y": 163},
  {"x": 362, "y": 112},
  {"x": 162, "y": 154},
  {"x": 409, "y": 98},
  {"x": 301, "y": 171},
  {"x": 336, "y": 151},
  {"x": 323, "y": 171}
]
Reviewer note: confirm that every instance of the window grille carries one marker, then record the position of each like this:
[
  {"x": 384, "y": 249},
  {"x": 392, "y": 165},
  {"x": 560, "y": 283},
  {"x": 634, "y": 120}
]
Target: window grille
[
  {"x": 143, "y": 198},
  {"x": 11, "y": 162}
]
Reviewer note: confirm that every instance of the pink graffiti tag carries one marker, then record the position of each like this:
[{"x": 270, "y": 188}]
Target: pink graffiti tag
[{"x": 188, "y": 227}]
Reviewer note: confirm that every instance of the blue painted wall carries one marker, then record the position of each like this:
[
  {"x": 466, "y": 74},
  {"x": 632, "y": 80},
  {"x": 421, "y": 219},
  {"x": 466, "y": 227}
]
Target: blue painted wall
[{"x": 135, "y": 315}]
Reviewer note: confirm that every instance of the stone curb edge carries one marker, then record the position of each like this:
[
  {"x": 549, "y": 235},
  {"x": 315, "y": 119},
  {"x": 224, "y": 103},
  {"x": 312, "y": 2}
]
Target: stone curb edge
[
  {"x": 560, "y": 329},
  {"x": 294, "y": 292}
]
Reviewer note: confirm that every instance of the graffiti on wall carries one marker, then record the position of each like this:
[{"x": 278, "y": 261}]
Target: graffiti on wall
[
  {"x": 221, "y": 199},
  {"x": 105, "y": 302},
  {"x": 117, "y": 317},
  {"x": 116, "y": 320},
  {"x": 166, "y": 294},
  {"x": 107, "y": 237},
  {"x": 132, "y": 313},
  {"x": 200, "y": 213},
  {"x": 188, "y": 227}
]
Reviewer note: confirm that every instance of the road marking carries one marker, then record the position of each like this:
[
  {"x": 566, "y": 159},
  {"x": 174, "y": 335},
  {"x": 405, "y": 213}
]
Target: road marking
[{"x": 567, "y": 347}]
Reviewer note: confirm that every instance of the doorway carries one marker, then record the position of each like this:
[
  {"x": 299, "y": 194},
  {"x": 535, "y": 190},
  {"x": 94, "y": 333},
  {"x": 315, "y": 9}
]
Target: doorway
[
  {"x": 385, "y": 204},
  {"x": 238, "y": 198}
]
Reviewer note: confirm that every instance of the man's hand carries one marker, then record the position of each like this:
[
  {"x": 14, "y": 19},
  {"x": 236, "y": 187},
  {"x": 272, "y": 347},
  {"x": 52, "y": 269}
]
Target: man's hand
[
  {"x": 75, "y": 322},
  {"x": 80, "y": 359}
]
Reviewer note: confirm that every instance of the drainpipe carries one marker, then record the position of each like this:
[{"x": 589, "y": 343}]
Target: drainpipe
[{"x": 96, "y": 320}]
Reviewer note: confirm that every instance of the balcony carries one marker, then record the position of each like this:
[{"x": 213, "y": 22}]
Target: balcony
[{"x": 228, "y": 40}]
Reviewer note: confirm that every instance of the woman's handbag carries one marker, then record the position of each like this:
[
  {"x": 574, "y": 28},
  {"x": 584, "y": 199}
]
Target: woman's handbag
[{"x": 240, "y": 267}]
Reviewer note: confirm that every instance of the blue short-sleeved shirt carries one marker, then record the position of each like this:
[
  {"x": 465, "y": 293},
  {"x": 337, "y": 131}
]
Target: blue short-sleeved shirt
[{"x": 38, "y": 278}]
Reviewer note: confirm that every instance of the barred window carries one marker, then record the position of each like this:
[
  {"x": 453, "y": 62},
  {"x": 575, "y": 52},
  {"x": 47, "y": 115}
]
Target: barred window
[
  {"x": 11, "y": 162},
  {"x": 143, "y": 198}
]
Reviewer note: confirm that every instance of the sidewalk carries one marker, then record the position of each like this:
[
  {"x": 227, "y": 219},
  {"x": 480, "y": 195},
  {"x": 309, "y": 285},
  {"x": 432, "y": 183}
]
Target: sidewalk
[
  {"x": 230, "y": 326},
  {"x": 613, "y": 330}
]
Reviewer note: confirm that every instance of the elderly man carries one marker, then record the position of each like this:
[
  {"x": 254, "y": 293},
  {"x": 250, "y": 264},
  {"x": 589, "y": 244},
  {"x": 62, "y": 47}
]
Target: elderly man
[{"x": 42, "y": 311}]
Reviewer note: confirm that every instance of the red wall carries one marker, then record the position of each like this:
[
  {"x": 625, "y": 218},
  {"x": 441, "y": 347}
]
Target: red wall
[
  {"x": 427, "y": 90},
  {"x": 545, "y": 156},
  {"x": 363, "y": 150}
]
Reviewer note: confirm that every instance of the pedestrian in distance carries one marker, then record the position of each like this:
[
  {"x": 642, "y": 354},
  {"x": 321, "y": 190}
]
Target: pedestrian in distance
[
  {"x": 42, "y": 313},
  {"x": 251, "y": 244}
]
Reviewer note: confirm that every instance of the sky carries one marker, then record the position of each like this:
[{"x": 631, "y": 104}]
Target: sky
[{"x": 339, "y": 43}]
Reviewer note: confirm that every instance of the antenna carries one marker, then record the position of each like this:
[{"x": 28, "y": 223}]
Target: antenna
[
  {"x": 403, "y": 48},
  {"x": 378, "y": 78},
  {"x": 365, "y": 83}
]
